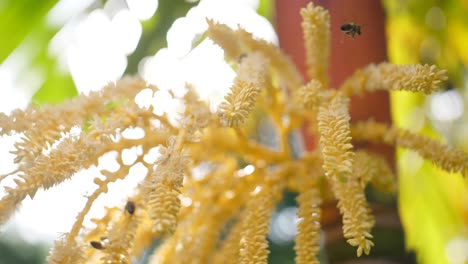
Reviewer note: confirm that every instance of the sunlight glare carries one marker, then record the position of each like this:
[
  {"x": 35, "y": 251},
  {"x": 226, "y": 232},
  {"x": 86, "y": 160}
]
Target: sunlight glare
[
  {"x": 180, "y": 62},
  {"x": 127, "y": 31},
  {"x": 457, "y": 250},
  {"x": 133, "y": 133},
  {"x": 283, "y": 226},
  {"x": 45, "y": 217},
  {"x": 164, "y": 103},
  {"x": 143, "y": 9},
  {"x": 93, "y": 58},
  {"x": 182, "y": 34},
  {"x": 163, "y": 70},
  {"x": 144, "y": 98},
  {"x": 129, "y": 156},
  {"x": 214, "y": 78},
  {"x": 446, "y": 106},
  {"x": 247, "y": 170},
  {"x": 253, "y": 4},
  {"x": 18, "y": 80},
  {"x": 234, "y": 13},
  {"x": 64, "y": 10},
  {"x": 185, "y": 201}
]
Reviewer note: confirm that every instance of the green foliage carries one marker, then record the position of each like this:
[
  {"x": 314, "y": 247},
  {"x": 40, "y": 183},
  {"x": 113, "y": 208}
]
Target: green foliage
[
  {"x": 23, "y": 23},
  {"x": 20, "y": 252},
  {"x": 58, "y": 87},
  {"x": 18, "y": 18},
  {"x": 430, "y": 200},
  {"x": 265, "y": 9}
]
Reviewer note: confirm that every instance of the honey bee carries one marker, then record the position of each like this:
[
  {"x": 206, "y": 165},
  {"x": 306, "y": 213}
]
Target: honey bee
[
  {"x": 241, "y": 57},
  {"x": 100, "y": 244},
  {"x": 351, "y": 29},
  {"x": 130, "y": 207},
  {"x": 97, "y": 245}
]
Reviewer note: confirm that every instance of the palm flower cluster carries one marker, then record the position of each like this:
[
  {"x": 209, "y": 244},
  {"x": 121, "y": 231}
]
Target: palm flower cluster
[{"x": 229, "y": 182}]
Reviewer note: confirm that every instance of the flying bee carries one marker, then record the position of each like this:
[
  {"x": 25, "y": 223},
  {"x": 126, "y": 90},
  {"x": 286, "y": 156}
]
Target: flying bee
[
  {"x": 351, "y": 29},
  {"x": 130, "y": 207}
]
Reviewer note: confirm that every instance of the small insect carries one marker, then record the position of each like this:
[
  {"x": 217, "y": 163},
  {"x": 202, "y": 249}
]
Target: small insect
[
  {"x": 351, "y": 29},
  {"x": 130, "y": 207},
  {"x": 241, "y": 57},
  {"x": 100, "y": 244},
  {"x": 97, "y": 245}
]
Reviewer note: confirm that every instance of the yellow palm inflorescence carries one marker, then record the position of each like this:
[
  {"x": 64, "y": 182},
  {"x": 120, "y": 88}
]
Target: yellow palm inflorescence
[{"x": 211, "y": 192}]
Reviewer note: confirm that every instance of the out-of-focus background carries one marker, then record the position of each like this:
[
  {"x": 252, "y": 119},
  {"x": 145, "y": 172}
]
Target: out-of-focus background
[
  {"x": 52, "y": 50},
  {"x": 433, "y": 204}
]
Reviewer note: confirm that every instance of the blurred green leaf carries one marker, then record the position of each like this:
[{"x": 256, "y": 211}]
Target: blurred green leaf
[
  {"x": 17, "y": 19},
  {"x": 58, "y": 87},
  {"x": 265, "y": 9},
  {"x": 31, "y": 31}
]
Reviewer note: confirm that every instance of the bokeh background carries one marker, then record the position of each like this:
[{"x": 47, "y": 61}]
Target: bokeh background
[{"x": 52, "y": 50}]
